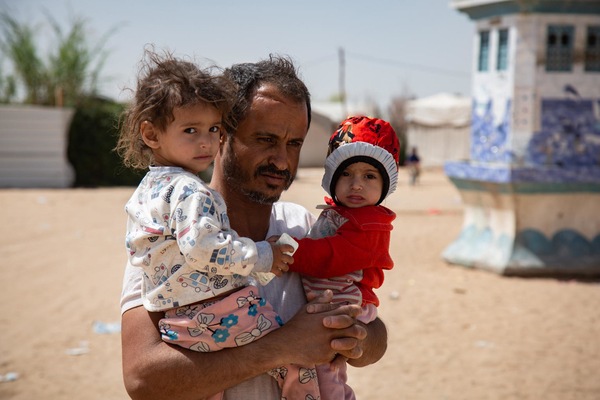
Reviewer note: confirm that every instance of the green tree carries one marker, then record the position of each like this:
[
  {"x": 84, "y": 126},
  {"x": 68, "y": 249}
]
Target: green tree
[
  {"x": 18, "y": 46},
  {"x": 75, "y": 66},
  {"x": 8, "y": 88},
  {"x": 65, "y": 77}
]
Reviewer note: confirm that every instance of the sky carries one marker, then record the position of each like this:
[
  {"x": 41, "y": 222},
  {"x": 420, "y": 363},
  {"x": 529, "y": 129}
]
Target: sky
[{"x": 391, "y": 48}]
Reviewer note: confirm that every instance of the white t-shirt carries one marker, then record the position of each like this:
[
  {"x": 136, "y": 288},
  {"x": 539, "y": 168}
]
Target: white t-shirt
[{"x": 285, "y": 294}]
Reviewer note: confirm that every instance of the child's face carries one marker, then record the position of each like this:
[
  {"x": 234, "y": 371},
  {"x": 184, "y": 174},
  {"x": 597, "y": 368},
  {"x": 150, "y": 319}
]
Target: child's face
[
  {"x": 191, "y": 140},
  {"x": 359, "y": 185}
]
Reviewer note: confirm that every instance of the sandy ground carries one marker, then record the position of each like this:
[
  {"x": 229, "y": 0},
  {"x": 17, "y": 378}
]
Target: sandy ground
[{"x": 454, "y": 333}]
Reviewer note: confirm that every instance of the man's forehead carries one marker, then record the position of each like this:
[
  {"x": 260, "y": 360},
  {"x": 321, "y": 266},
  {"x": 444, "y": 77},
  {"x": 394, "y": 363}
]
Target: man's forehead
[{"x": 270, "y": 94}]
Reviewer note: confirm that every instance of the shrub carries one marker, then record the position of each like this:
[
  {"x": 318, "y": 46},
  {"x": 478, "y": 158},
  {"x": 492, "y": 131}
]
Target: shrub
[{"x": 92, "y": 137}]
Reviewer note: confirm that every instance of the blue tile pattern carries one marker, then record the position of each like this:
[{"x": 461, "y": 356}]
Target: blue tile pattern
[
  {"x": 564, "y": 243},
  {"x": 506, "y": 173},
  {"x": 570, "y": 133},
  {"x": 531, "y": 252},
  {"x": 489, "y": 141}
]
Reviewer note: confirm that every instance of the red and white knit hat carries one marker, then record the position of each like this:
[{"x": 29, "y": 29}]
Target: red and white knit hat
[{"x": 363, "y": 139}]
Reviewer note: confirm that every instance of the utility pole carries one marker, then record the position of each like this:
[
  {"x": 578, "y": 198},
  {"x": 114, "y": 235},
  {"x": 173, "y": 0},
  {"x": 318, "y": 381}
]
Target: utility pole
[{"x": 342, "y": 82}]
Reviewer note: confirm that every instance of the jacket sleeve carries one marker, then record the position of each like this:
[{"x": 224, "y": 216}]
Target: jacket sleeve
[
  {"x": 350, "y": 249},
  {"x": 207, "y": 245}
]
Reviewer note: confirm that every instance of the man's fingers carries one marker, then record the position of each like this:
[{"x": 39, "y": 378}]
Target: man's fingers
[
  {"x": 347, "y": 347},
  {"x": 344, "y": 316},
  {"x": 320, "y": 302},
  {"x": 321, "y": 307},
  {"x": 321, "y": 297}
]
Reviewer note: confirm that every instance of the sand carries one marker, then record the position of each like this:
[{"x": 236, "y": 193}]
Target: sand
[{"x": 454, "y": 333}]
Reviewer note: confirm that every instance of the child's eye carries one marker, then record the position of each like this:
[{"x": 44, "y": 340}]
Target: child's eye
[
  {"x": 190, "y": 130},
  {"x": 215, "y": 129},
  {"x": 371, "y": 176}
]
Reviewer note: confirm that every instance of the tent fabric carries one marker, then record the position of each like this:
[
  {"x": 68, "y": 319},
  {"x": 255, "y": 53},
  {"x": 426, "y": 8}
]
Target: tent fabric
[
  {"x": 442, "y": 109},
  {"x": 437, "y": 145},
  {"x": 439, "y": 126}
]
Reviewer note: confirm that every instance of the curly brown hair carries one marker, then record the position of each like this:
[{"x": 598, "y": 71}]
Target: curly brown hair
[{"x": 164, "y": 83}]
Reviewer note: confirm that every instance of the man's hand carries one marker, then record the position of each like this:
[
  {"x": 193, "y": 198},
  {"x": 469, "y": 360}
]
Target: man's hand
[{"x": 361, "y": 344}]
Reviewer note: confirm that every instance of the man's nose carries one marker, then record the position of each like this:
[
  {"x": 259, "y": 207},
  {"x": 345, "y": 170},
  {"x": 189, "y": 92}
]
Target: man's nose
[{"x": 279, "y": 157}]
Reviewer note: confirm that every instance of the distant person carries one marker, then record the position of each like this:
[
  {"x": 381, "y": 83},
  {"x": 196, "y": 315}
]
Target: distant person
[
  {"x": 347, "y": 249},
  {"x": 414, "y": 166},
  {"x": 196, "y": 268}
]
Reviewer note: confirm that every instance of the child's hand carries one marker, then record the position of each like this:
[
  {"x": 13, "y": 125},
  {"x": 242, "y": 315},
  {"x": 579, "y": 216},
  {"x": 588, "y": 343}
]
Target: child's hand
[
  {"x": 283, "y": 249},
  {"x": 281, "y": 260},
  {"x": 273, "y": 239}
]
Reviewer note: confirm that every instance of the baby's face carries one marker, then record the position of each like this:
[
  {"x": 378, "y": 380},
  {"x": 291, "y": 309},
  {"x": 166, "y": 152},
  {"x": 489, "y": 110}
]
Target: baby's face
[{"x": 359, "y": 185}]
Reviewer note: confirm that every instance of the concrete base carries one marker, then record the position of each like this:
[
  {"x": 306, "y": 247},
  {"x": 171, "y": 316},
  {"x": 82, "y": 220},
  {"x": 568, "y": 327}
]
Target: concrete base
[{"x": 528, "y": 221}]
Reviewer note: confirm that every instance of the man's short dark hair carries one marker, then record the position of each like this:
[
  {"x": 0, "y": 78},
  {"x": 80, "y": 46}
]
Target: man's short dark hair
[{"x": 277, "y": 70}]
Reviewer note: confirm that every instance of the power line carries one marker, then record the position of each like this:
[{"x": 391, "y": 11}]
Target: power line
[
  {"x": 395, "y": 63},
  {"x": 321, "y": 60}
]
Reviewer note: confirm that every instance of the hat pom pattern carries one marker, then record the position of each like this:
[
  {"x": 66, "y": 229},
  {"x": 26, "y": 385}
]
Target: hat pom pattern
[{"x": 363, "y": 138}]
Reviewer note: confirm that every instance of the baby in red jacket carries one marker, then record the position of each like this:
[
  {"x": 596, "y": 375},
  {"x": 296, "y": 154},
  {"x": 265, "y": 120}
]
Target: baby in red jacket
[{"x": 347, "y": 249}]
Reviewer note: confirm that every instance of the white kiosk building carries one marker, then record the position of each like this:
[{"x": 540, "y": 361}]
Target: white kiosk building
[{"x": 531, "y": 188}]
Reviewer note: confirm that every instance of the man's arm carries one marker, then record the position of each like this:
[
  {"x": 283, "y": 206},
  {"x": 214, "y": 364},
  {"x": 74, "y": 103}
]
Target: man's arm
[{"x": 153, "y": 369}]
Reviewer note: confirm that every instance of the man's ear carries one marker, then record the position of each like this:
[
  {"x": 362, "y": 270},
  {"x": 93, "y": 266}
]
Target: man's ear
[{"x": 149, "y": 134}]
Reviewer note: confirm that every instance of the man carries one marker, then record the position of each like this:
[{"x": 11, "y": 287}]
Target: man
[
  {"x": 414, "y": 163},
  {"x": 256, "y": 163}
]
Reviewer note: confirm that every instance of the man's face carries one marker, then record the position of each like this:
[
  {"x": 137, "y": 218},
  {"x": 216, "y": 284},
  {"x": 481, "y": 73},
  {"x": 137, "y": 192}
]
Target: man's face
[{"x": 261, "y": 159}]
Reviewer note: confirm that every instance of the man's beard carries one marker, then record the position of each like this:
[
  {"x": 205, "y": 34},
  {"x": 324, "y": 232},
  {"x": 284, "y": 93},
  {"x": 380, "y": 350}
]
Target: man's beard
[{"x": 237, "y": 178}]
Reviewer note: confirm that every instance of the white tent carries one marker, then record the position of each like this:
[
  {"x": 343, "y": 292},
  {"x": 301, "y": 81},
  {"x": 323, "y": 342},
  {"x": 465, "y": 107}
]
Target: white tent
[
  {"x": 326, "y": 116},
  {"x": 440, "y": 127},
  {"x": 314, "y": 148}
]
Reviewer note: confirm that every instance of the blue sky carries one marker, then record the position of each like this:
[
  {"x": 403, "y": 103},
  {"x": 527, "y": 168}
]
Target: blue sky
[{"x": 391, "y": 47}]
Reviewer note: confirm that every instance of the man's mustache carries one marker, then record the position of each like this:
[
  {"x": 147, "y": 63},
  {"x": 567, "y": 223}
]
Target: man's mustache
[{"x": 273, "y": 170}]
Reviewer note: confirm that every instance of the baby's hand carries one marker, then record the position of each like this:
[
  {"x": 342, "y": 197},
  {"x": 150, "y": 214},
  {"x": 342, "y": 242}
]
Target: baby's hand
[{"x": 281, "y": 258}]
